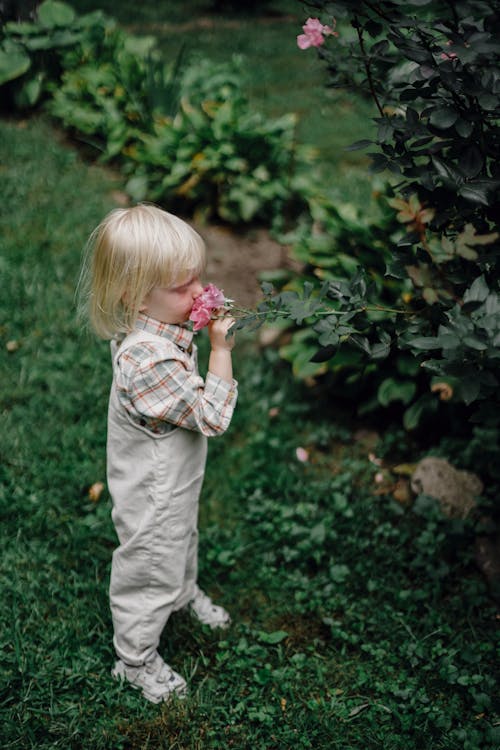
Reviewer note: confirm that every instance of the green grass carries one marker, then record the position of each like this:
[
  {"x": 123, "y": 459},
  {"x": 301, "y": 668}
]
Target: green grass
[{"x": 357, "y": 622}]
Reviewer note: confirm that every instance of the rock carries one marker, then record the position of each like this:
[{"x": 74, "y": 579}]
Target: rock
[{"x": 456, "y": 490}]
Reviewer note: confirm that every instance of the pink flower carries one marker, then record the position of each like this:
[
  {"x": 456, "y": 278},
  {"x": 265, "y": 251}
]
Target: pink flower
[
  {"x": 209, "y": 300},
  {"x": 302, "y": 455},
  {"x": 448, "y": 55},
  {"x": 212, "y": 296},
  {"x": 314, "y": 33}
]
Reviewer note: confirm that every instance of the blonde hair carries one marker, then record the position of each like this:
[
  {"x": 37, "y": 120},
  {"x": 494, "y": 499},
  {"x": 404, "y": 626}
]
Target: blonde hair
[{"x": 132, "y": 251}]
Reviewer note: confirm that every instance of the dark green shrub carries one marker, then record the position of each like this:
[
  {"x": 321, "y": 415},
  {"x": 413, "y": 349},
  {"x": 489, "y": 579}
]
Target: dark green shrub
[{"x": 433, "y": 71}]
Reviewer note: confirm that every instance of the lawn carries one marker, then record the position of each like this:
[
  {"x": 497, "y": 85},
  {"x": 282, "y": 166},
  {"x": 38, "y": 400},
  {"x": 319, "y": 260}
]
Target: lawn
[{"x": 358, "y": 622}]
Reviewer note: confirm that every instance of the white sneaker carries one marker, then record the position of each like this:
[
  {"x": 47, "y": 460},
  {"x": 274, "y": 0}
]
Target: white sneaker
[
  {"x": 208, "y": 613},
  {"x": 156, "y": 679}
]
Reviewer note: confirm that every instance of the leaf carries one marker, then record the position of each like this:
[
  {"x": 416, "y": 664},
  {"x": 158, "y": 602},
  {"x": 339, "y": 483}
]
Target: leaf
[
  {"x": 339, "y": 573},
  {"x": 474, "y": 343},
  {"x": 395, "y": 390},
  {"x": 364, "y": 143},
  {"x": 471, "y": 161},
  {"x": 358, "y": 709},
  {"x": 448, "y": 174},
  {"x": 464, "y": 128},
  {"x": 54, "y": 13},
  {"x": 273, "y": 638},
  {"x": 478, "y": 291},
  {"x": 425, "y": 343},
  {"x": 412, "y": 416},
  {"x": 469, "y": 389},
  {"x": 476, "y": 192},
  {"x": 13, "y": 64},
  {"x": 443, "y": 117}
]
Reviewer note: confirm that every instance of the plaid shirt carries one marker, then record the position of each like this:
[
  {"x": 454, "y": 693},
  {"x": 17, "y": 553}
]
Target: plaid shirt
[{"x": 159, "y": 385}]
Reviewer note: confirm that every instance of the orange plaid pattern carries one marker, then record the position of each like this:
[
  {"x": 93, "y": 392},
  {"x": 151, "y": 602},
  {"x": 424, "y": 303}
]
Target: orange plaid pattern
[{"x": 161, "y": 388}]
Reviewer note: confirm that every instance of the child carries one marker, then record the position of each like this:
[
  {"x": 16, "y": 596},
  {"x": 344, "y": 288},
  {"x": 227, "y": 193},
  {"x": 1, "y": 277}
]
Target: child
[{"x": 142, "y": 282}]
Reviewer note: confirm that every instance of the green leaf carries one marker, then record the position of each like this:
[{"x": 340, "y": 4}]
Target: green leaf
[
  {"x": 474, "y": 343},
  {"x": 489, "y": 102},
  {"x": 448, "y": 174},
  {"x": 364, "y": 143},
  {"x": 339, "y": 573},
  {"x": 272, "y": 638},
  {"x": 30, "y": 92},
  {"x": 443, "y": 117},
  {"x": 395, "y": 390},
  {"x": 14, "y": 62},
  {"x": 476, "y": 193},
  {"x": 425, "y": 343},
  {"x": 478, "y": 291},
  {"x": 469, "y": 389},
  {"x": 471, "y": 161},
  {"x": 413, "y": 415},
  {"x": 54, "y": 13}
]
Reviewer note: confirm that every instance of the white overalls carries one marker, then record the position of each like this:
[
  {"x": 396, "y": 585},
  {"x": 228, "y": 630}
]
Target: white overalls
[{"x": 155, "y": 483}]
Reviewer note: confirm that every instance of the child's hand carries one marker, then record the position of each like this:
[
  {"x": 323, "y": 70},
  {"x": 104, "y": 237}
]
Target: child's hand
[{"x": 218, "y": 330}]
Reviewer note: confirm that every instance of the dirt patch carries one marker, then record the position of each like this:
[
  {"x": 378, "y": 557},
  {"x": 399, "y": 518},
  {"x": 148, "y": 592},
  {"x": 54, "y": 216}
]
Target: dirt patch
[{"x": 235, "y": 260}]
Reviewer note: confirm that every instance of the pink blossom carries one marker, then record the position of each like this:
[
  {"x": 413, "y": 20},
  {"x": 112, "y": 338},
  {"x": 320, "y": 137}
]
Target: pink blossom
[
  {"x": 314, "y": 33},
  {"x": 209, "y": 300},
  {"x": 302, "y": 455},
  {"x": 212, "y": 296},
  {"x": 448, "y": 55}
]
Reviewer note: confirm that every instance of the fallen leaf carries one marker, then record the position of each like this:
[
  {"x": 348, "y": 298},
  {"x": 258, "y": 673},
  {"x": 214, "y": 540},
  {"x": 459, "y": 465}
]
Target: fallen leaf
[
  {"x": 95, "y": 491},
  {"x": 357, "y": 710},
  {"x": 405, "y": 470},
  {"x": 402, "y": 492},
  {"x": 444, "y": 390}
]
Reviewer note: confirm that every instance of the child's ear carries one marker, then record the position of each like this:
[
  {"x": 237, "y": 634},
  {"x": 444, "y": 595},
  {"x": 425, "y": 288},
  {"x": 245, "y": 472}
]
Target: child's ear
[{"x": 125, "y": 301}]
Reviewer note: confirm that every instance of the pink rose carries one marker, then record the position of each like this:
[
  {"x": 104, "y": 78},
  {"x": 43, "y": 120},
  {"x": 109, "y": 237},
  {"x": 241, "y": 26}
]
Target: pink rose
[
  {"x": 314, "y": 33},
  {"x": 448, "y": 55},
  {"x": 212, "y": 296},
  {"x": 209, "y": 300}
]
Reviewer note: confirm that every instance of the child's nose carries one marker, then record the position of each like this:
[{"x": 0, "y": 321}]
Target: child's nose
[{"x": 197, "y": 288}]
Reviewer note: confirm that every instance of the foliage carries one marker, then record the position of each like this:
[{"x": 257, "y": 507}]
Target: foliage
[
  {"x": 184, "y": 134},
  {"x": 433, "y": 71},
  {"x": 357, "y": 622},
  {"x": 216, "y": 153}
]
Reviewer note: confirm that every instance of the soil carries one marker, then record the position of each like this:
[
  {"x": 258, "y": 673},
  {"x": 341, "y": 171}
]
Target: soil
[{"x": 236, "y": 258}]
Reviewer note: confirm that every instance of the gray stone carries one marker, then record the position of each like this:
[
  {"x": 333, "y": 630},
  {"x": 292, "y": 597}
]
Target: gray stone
[{"x": 455, "y": 490}]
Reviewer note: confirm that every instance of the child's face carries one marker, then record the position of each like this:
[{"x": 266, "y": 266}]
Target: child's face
[{"x": 173, "y": 304}]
